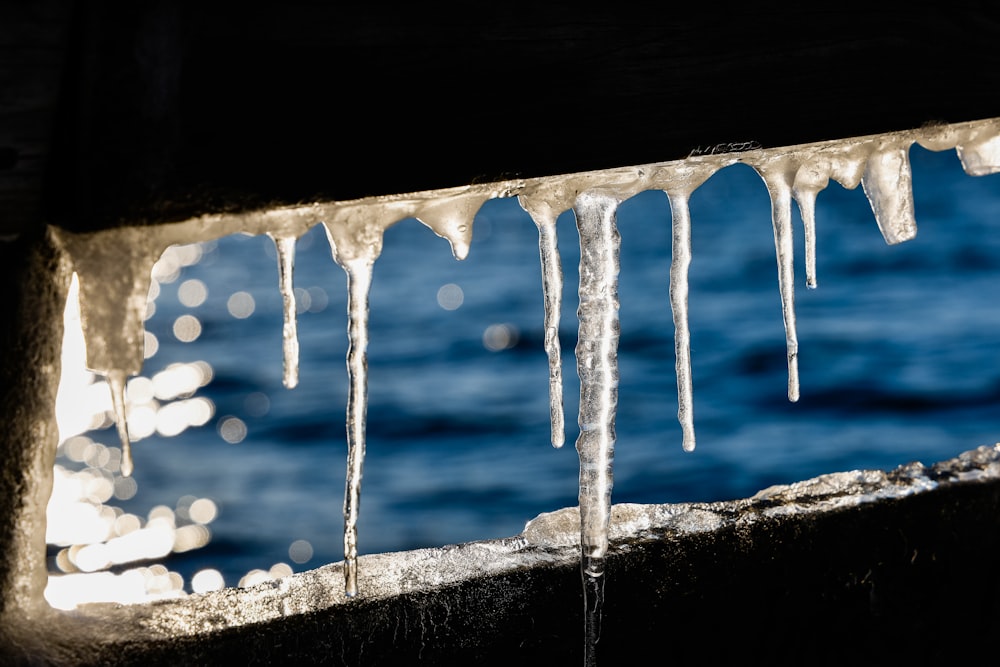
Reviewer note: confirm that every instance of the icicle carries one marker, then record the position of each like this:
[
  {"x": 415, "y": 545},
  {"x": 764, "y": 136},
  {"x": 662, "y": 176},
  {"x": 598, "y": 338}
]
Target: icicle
[
  {"x": 809, "y": 180},
  {"x": 680, "y": 263},
  {"x": 116, "y": 383},
  {"x": 544, "y": 218},
  {"x": 355, "y": 238},
  {"x": 285, "y": 246},
  {"x": 359, "y": 279},
  {"x": 778, "y": 178},
  {"x": 597, "y": 366},
  {"x": 681, "y": 183},
  {"x": 888, "y": 184},
  {"x": 114, "y": 278}
]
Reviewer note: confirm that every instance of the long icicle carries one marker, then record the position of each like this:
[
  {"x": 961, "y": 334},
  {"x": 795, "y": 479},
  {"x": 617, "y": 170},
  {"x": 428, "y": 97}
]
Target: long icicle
[
  {"x": 780, "y": 190},
  {"x": 597, "y": 366},
  {"x": 679, "y": 183},
  {"x": 285, "y": 246},
  {"x": 359, "y": 279},
  {"x": 552, "y": 288},
  {"x": 680, "y": 263}
]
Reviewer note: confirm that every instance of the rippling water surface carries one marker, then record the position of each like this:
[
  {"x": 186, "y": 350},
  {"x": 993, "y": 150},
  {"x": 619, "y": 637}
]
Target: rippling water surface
[{"x": 899, "y": 359}]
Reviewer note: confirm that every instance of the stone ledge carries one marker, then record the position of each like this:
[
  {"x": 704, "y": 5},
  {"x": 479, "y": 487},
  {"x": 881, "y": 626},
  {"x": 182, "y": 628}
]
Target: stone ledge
[{"x": 861, "y": 566}]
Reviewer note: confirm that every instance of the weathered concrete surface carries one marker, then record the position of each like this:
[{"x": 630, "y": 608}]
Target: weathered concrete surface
[
  {"x": 34, "y": 280},
  {"x": 860, "y": 567}
]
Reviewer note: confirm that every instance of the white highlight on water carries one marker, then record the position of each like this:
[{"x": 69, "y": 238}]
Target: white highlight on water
[{"x": 114, "y": 266}]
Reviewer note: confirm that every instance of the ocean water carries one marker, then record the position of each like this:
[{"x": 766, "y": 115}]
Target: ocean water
[{"x": 899, "y": 356}]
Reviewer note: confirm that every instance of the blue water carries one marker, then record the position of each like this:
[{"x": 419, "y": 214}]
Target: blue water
[{"x": 899, "y": 358}]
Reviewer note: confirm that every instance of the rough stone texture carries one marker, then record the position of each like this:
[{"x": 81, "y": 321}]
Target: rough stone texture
[
  {"x": 33, "y": 286},
  {"x": 861, "y": 567}
]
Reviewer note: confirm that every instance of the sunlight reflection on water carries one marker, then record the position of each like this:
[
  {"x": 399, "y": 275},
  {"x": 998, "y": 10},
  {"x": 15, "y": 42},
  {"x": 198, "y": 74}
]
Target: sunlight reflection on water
[{"x": 96, "y": 547}]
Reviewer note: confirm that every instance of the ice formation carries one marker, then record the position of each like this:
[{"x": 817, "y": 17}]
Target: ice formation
[
  {"x": 113, "y": 268},
  {"x": 285, "y": 246},
  {"x": 552, "y": 286}
]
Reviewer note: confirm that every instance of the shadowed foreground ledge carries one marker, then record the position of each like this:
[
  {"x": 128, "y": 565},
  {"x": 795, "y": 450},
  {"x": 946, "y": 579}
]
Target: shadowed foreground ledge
[{"x": 861, "y": 566}]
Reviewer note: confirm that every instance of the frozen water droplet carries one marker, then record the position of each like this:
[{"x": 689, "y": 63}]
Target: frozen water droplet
[{"x": 451, "y": 218}]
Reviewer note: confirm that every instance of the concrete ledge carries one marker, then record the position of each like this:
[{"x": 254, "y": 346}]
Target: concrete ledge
[{"x": 860, "y": 567}]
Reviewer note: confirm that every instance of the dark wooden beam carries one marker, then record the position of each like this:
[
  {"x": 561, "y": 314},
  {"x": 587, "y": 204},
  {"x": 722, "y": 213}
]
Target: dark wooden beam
[{"x": 175, "y": 108}]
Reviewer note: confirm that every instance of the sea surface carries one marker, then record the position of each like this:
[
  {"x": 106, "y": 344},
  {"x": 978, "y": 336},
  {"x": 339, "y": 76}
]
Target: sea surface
[{"x": 899, "y": 355}]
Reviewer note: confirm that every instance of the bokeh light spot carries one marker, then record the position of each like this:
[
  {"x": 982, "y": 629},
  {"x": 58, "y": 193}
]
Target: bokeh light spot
[
  {"x": 300, "y": 551},
  {"x": 203, "y": 510},
  {"x": 499, "y": 337},
  {"x": 207, "y": 580},
  {"x": 192, "y": 293},
  {"x": 450, "y": 296},
  {"x": 241, "y": 305},
  {"x": 233, "y": 430},
  {"x": 187, "y": 328}
]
